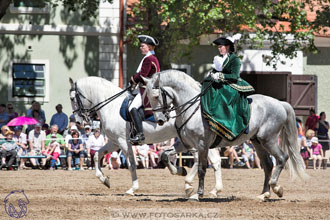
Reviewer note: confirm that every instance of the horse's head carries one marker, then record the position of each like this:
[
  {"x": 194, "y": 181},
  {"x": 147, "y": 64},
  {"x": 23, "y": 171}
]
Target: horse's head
[
  {"x": 79, "y": 103},
  {"x": 160, "y": 99}
]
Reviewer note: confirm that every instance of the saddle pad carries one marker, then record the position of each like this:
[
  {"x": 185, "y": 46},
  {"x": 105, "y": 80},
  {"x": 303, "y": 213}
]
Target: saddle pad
[{"x": 125, "y": 114}]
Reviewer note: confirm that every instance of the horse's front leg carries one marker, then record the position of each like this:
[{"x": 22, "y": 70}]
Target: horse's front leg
[
  {"x": 166, "y": 158},
  {"x": 132, "y": 168},
  {"x": 97, "y": 160},
  {"x": 202, "y": 165}
]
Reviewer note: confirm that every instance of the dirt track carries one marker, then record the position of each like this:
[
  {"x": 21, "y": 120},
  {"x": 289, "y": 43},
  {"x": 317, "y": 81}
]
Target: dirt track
[{"x": 79, "y": 195}]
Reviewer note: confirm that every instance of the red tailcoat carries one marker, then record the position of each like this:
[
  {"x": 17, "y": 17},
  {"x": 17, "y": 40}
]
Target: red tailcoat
[{"x": 149, "y": 67}]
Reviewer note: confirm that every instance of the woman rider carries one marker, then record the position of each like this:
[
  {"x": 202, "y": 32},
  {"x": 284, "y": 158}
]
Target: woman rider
[
  {"x": 224, "y": 104},
  {"x": 148, "y": 66}
]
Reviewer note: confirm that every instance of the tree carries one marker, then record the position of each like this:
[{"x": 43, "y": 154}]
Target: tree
[
  {"x": 87, "y": 7},
  {"x": 172, "y": 21}
]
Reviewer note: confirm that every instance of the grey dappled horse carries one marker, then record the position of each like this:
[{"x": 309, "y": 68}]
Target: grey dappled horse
[
  {"x": 88, "y": 92},
  {"x": 269, "y": 119}
]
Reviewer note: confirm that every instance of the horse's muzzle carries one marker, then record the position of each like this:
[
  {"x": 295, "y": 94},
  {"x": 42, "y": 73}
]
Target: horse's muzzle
[{"x": 160, "y": 122}]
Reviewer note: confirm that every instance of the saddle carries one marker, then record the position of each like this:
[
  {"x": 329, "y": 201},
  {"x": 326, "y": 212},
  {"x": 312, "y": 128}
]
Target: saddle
[{"x": 124, "y": 113}]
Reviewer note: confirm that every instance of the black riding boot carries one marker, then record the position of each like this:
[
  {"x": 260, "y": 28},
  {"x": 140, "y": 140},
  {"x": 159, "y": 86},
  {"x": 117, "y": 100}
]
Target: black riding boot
[{"x": 139, "y": 137}]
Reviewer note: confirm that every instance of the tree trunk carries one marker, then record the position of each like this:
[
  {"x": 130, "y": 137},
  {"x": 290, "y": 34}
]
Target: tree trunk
[{"x": 4, "y": 4}]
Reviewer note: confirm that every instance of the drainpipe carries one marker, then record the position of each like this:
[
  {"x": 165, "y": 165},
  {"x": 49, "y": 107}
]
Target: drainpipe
[{"x": 121, "y": 42}]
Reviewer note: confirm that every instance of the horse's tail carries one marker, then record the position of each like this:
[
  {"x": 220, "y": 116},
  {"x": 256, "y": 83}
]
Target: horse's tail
[{"x": 289, "y": 144}]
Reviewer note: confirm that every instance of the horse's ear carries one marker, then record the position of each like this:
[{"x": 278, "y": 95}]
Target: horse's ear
[
  {"x": 146, "y": 80},
  {"x": 71, "y": 82}
]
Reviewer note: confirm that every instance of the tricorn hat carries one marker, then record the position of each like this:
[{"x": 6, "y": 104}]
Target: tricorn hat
[{"x": 148, "y": 40}]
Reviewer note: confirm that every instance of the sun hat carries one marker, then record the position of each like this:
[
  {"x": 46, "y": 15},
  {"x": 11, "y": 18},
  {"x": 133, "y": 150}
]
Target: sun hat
[
  {"x": 73, "y": 127},
  {"x": 114, "y": 154},
  {"x": 9, "y": 132},
  {"x": 315, "y": 140}
]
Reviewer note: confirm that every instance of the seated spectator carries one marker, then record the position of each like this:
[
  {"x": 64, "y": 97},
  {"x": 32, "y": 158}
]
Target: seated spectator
[
  {"x": 11, "y": 112},
  {"x": 36, "y": 115},
  {"x": 153, "y": 154},
  {"x": 60, "y": 119},
  {"x": 85, "y": 136},
  {"x": 75, "y": 150},
  {"x": 248, "y": 154},
  {"x": 8, "y": 149},
  {"x": 95, "y": 142},
  {"x": 4, "y": 117},
  {"x": 37, "y": 139},
  {"x": 4, "y": 130},
  {"x": 304, "y": 150},
  {"x": 60, "y": 141},
  {"x": 231, "y": 153},
  {"x": 114, "y": 163},
  {"x": 316, "y": 152},
  {"x": 45, "y": 128},
  {"x": 36, "y": 106},
  {"x": 21, "y": 141},
  {"x": 142, "y": 154},
  {"x": 53, "y": 151}
]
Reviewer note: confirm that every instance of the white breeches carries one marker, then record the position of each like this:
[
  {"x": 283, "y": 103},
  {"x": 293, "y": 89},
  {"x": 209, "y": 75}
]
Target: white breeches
[{"x": 136, "y": 103}]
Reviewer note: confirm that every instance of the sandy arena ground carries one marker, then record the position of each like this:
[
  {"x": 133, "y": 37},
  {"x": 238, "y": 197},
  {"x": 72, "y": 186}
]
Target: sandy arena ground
[{"x": 79, "y": 195}]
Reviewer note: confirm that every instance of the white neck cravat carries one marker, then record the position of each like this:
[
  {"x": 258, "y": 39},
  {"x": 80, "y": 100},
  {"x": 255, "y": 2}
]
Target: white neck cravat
[{"x": 148, "y": 54}]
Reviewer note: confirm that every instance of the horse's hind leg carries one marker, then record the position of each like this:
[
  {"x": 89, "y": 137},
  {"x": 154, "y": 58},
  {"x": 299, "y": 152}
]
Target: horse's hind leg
[
  {"x": 215, "y": 159},
  {"x": 132, "y": 168},
  {"x": 267, "y": 165},
  {"x": 281, "y": 158}
]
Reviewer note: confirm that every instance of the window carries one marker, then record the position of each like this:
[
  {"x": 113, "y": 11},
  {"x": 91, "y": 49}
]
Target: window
[
  {"x": 29, "y": 80},
  {"x": 29, "y": 7},
  {"x": 29, "y": 3},
  {"x": 182, "y": 67}
]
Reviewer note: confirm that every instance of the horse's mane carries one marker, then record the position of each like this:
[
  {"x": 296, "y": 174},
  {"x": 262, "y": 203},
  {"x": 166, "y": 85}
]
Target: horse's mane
[
  {"x": 175, "y": 78},
  {"x": 94, "y": 85}
]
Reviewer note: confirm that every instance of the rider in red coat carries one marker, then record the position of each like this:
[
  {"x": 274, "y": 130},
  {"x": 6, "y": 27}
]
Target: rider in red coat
[{"x": 148, "y": 66}]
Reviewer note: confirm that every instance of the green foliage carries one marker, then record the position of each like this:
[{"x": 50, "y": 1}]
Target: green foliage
[{"x": 173, "y": 22}]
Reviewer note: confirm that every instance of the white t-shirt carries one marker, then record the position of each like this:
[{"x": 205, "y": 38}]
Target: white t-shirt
[
  {"x": 20, "y": 139},
  {"x": 95, "y": 143},
  {"x": 37, "y": 139}
]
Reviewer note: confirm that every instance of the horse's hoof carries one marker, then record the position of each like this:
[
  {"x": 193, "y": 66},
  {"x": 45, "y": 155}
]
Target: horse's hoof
[
  {"x": 194, "y": 197},
  {"x": 129, "y": 192},
  {"x": 107, "y": 182},
  {"x": 278, "y": 190},
  {"x": 181, "y": 171},
  {"x": 264, "y": 196},
  {"x": 215, "y": 192}
]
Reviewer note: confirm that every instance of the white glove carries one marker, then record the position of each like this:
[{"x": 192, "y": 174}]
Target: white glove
[
  {"x": 217, "y": 63},
  {"x": 218, "y": 76}
]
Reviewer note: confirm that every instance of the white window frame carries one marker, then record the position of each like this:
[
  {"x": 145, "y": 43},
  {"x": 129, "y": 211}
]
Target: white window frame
[
  {"x": 29, "y": 10},
  {"x": 27, "y": 99},
  {"x": 187, "y": 67}
]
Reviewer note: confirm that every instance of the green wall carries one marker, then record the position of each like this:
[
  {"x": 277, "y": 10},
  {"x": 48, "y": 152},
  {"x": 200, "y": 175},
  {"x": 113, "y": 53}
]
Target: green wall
[
  {"x": 319, "y": 65},
  {"x": 69, "y": 56}
]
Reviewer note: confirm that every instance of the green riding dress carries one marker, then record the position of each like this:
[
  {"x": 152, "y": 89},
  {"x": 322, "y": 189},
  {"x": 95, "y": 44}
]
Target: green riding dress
[{"x": 225, "y": 104}]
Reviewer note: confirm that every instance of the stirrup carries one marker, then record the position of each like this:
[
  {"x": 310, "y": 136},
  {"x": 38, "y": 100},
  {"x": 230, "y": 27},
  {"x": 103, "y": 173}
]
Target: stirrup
[{"x": 137, "y": 140}]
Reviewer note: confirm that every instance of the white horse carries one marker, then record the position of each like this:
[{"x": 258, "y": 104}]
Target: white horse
[
  {"x": 269, "y": 119},
  {"x": 89, "y": 92}
]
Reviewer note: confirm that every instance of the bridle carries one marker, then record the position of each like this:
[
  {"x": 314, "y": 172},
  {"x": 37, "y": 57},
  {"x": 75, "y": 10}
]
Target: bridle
[
  {"x": 87, "y": 113},
  {"x": 81, "y": 110}
]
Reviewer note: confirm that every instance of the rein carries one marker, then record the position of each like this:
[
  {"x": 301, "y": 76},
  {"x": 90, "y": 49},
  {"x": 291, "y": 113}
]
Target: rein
[
  {"x": 190, "y": 103},
  {"x": 88, "y": 112}
]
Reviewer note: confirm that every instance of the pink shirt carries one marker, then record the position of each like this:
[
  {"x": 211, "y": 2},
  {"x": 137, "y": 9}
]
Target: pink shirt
[{"x": 316, "y": 149}]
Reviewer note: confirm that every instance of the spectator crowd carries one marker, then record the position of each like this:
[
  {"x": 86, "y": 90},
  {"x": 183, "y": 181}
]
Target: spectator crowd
[{"x": 67, "y": 144}]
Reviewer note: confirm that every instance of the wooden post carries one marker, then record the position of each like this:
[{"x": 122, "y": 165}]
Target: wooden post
[{"x": 180, "y": 159}]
